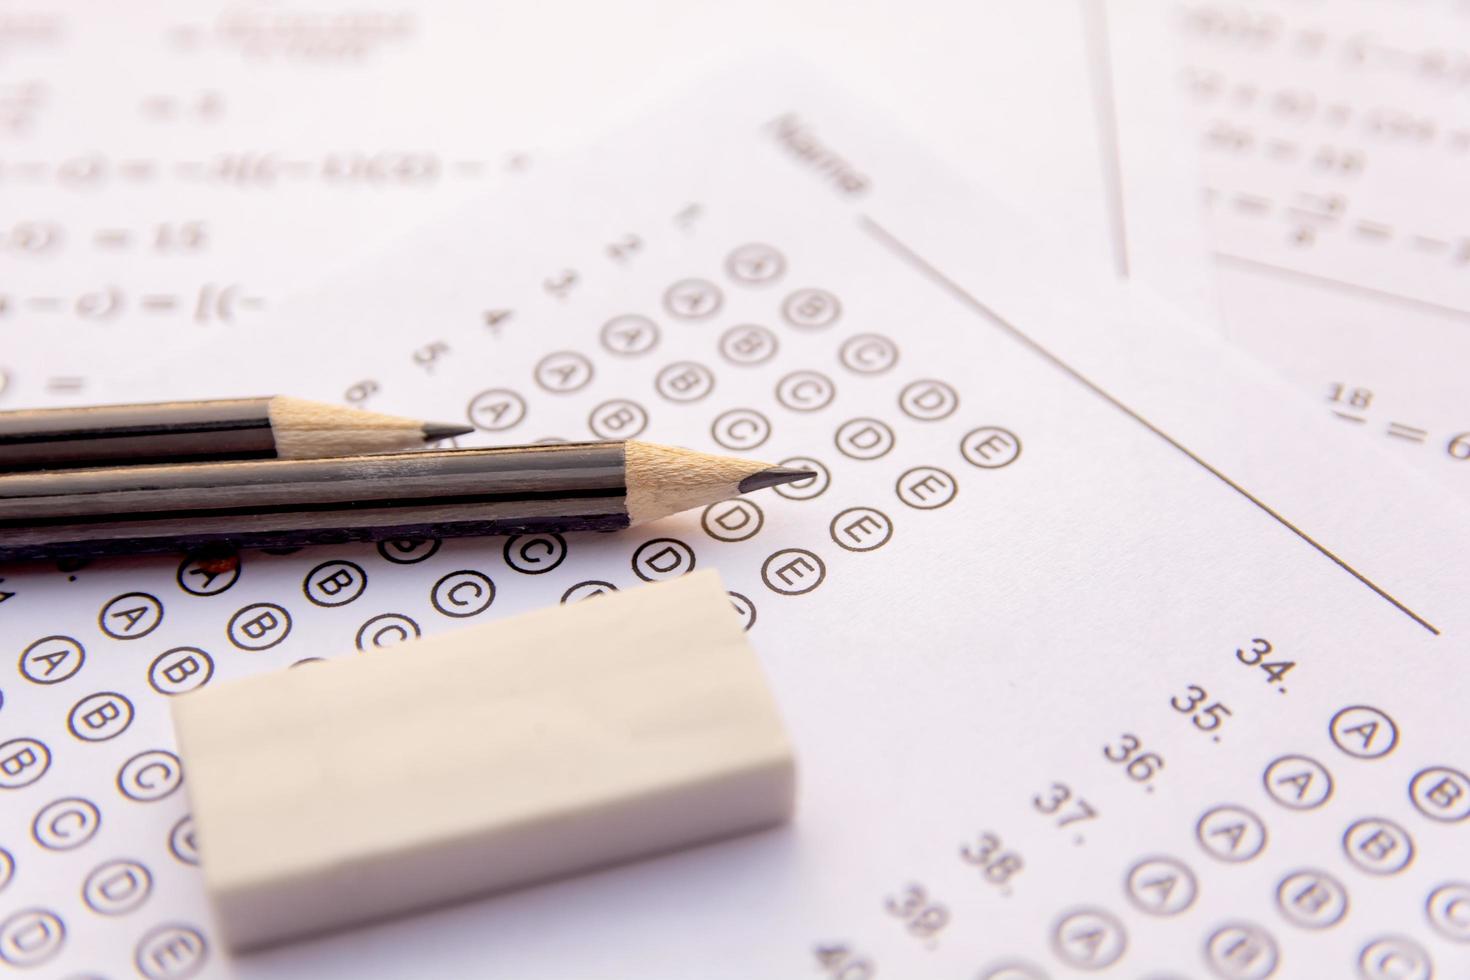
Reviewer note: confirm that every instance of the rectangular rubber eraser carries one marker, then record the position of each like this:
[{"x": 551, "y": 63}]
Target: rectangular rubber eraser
[{"x": 539, "y": 746}]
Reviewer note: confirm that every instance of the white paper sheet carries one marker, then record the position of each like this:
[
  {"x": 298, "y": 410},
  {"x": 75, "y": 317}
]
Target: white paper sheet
[
  {"x": 1157, "y": 238},
  {"x": 1136, "y": 518},
  {"x": 175, "y": 169},
  {"x": 1333, "y": 140}
]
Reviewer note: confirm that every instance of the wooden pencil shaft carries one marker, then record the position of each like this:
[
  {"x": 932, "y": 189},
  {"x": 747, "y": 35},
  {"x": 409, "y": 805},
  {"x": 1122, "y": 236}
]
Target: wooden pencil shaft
[
  {"x": 287, "y": 503},
  {"x": 193, "y": 432},
  {"x": 238, "y": 428}
]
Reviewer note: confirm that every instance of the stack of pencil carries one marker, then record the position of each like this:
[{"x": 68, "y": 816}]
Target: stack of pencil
[{"x": 279, "y": 472}]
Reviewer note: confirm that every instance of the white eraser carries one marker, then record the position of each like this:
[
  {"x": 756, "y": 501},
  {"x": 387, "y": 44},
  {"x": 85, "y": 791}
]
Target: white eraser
[{"x": 546, "y": 744}]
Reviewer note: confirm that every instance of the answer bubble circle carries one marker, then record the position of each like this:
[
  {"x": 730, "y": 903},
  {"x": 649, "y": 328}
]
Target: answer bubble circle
[
  {"x": 7, "y": 868},
  {"x": 1153, "y": 872},
  {"x": 1378, "y": 846},
  {"x": 811, "y": 309},
  {"x": 926, "y": 487},
  {"x": 755, "y": 264},
  {"x": 16, "y": 946},
  {"x": 868, "y": 353},
  {"x": 100, "y": 717},
  {"x": 182, "y": 843},
  {"x": 590, "y": 589},
  {"x": 990, "y": 447},
  {"x": 660, "y": 559},
  {"x": 102, "y": 896},
  {"x": 619, "y": 418},
  {"x": 334, "y": 583},
  {"x": 1448, "y": 908},
  {"x": 861, "y": 529},
  {"x": 1329, "y": 899},
  {"x": 683, "y": 382},
  {"x": 563, "y": 372},
  {"x": 733, "y": 520},
  {"x": 462, "y": 594},
  {"x": 1430, "y": 786},
  {"x": 1395, "y": 958},
  {"x": 215, "y": 575},
  {"x": 408, "y": 551},
  {"x": 1224, "y": 944},
  {"x": 34, "y": 750},
  {"x": 140, "y": 612},
  {"x": 180, "y": 670},
  {"x": 805, "y": 391},
  {"x": 1316, "y": 791},
  {"x": 259, "y": 626},
  {"x": 66, "y": 824},
  {"x": 629, "y": 335},
  {"x": 812, "y": 486},
  {"x": 535, "y": 554},
  {"x": 793, "y": 571},
  {"x": 1356, "y": 731},
  {"x": 181, "y": 947},
  {"x": 1231, "y": 833},
  {"x": 1110, "y": 939},
  {"x": 693, "y": 299},
  {"x": 1014, "y": 971},
  {"x": 863, "y": 439},
  {"x": 387, "y": 630},
  {"x": 60, "y": 658},
  {"x": 927, "y": 400},
  {"x": 150, "y": 776},
  {"x": 496, "y": 410},
  {"x": 744, "y": 608},
  {"x": 740, "y": 429},
  {"x": 748, "y": 345}
]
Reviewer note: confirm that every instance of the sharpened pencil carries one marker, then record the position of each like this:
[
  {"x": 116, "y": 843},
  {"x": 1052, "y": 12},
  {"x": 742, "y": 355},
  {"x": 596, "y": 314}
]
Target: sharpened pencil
[
  {"x": 191, "y": 432},
  {"x": 595, "y": 486}
]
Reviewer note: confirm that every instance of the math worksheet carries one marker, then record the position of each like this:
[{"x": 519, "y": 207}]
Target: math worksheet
[
  {"x": 175, "y": 169},
  {"x": 1102, "y": 652},
  {"x": 1332, "y": 141}
]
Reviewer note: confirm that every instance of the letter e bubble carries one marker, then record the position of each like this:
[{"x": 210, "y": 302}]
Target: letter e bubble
[{"x": 793, "y": 571}]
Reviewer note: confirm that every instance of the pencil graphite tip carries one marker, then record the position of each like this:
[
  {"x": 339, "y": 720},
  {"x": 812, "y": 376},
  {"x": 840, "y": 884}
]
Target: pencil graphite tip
[
  {"x": 434, "y": 431},
  {"x": 773, "y": 477}
]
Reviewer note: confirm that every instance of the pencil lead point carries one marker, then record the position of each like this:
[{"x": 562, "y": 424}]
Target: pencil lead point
[
  {"x": 775, "y": 476},
  {"x": 434, "y": 431}
]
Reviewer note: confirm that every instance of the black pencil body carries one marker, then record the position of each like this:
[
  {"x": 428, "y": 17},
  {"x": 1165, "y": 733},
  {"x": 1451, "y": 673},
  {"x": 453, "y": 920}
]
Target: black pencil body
[
  {"x": 288, "y": 503},
  {"x": 136, "y": 434}
]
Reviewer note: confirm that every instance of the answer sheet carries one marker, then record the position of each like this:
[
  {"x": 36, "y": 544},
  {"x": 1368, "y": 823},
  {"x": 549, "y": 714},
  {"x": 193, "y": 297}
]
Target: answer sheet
[
  {"x": 1099, "y": 650},
  {"x": 1333, "y": 140}
]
